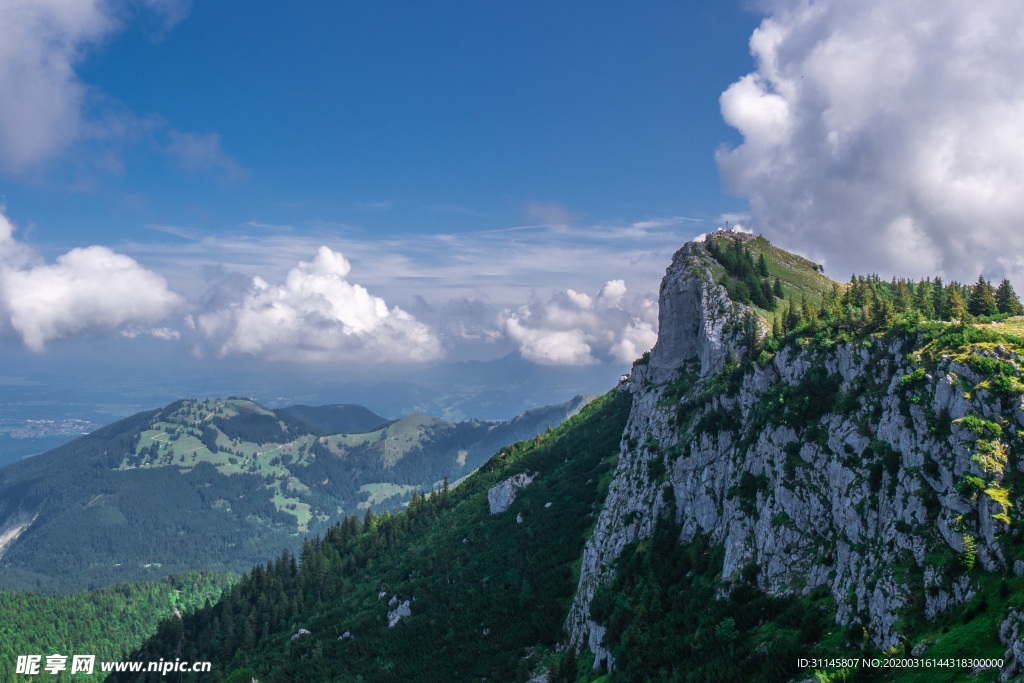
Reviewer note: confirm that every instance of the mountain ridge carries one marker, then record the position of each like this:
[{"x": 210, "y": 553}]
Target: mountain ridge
[{"x": 221, "y": 484}]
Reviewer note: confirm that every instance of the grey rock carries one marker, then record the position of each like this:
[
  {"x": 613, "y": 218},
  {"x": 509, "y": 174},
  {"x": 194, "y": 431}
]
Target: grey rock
[
  {"x": 1010, "y": 635},
  {"x": 501, "y": 495},
  {"x": 847, "y": 511},
  {"x": 399, "y": 613},
  {"x": 694, "y": 317}
]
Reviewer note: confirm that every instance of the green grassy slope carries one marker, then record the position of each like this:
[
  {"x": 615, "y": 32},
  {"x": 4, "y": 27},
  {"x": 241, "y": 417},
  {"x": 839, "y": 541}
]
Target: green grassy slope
[{"x": 798, "y": 276}]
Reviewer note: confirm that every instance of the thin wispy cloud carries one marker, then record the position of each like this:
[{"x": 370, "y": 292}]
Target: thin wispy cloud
[
  {"x": 503, "y": 264},
  {"x": 203, "y": 153},
  {"x": 453, "y": 208},
  {"x": 381, "y": 205},
  {"x": 549, "y": 214}
]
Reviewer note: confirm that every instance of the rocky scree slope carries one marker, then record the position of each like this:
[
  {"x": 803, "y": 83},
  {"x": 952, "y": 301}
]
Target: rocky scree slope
[{"x": 880, "y": 468}]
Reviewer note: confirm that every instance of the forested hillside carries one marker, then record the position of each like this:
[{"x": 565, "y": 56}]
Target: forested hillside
[
  {"x": 443, "y": 591},
  {"x": 221, "y": 484},
  {"x": 107, "y": 623}
]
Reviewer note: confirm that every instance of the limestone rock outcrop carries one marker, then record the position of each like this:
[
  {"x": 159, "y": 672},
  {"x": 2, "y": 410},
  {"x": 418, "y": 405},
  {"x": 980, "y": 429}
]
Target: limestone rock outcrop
[
  {"x": 501, "y": 495},
  {"x": 859, "y": 490}
]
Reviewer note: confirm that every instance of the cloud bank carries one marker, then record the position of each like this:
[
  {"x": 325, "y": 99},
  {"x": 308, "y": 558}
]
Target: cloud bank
[
  {"x": 317, "y": 315},
  {"x": 885, "y": 136},
  {"x": 577, "y": 329},
  {"x": 90, "y": 290},
  {"x": 258, "y": 297}
]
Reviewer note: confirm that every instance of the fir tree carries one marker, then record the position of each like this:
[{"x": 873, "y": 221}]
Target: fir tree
[
  {"x": 939, "y": 298},
  {"x": 956, "y": 307},
  {"x": 983, "y": 298},
  {"x": 1006, "y": 299}
]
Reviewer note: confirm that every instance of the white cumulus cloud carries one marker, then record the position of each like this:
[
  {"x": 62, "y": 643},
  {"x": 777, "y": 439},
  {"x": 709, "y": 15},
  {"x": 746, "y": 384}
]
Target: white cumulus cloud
[
  {"x": 317, "y": 315},
  {"x": 573, "y": 328},
  {"x": 885, "y": 136},
  {"x": 90, "y": 290},
  {"x": 41, "y": 97}
]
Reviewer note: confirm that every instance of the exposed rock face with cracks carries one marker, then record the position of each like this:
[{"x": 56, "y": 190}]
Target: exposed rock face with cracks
[{"x": 860, "y": 489}]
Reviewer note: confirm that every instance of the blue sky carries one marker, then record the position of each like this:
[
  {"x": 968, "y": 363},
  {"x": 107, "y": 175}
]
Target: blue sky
[
  {"x": 396, "y": 118},
  {"x": 359, "y": 186},
  {"x": 489, "y": 169}
]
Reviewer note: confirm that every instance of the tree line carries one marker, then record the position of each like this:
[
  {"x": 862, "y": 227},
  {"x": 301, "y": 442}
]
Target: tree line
[{"x": 869, "y": 303}]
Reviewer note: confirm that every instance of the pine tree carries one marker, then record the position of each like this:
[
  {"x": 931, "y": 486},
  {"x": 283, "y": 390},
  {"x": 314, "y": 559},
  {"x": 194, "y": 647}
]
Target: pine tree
[
  {"x": 983, "y": 298},
  {"x": 881, "y": 310},
  {"x": 1006, "y": 299},
  {"x": 792, "y": 317},
  {"x": 762, "y": 266},
  {"x": 924, "y": 299},
  {"x": 750, "y": 335},
  {"x": 939, "y": 298},
  {"x": 777, "y": 289},
  {"x": 956, "y": 307}
]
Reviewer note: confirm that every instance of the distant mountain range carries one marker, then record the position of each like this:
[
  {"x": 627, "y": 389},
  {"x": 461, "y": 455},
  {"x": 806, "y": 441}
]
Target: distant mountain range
[{"x": 223, "y": 484}]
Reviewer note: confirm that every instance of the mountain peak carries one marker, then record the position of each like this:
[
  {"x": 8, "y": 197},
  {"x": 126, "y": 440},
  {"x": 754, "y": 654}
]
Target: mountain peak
[{"x": 719, "y": 294}]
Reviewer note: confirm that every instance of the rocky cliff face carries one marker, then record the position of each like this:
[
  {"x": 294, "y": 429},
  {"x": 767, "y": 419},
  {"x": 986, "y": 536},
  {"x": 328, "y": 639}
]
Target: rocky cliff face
[
  {"x": 696, "y": 318},
  {"x": 855, "y": 466}
]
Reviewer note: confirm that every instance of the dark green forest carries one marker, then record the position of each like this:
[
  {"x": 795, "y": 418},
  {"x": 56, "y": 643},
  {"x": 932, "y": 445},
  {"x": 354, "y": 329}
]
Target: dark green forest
[
  {"x": 107, "y": 623},
  {"x": 488, "y": 596}
]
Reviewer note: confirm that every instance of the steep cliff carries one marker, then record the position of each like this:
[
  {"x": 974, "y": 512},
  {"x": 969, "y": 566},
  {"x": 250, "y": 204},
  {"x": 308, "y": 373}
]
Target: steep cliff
[{"x": 878, "y": 467}]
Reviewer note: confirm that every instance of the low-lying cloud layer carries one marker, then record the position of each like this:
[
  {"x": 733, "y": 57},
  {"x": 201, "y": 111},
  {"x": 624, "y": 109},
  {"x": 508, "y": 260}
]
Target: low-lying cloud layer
[
  {"x": 317, "y": 315},
  {"x": 886, "y": 136},
  {"x": 577, "y": 329},
  {"x": 312, "y": 311},
  {"x": 90, "y": 290}
]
